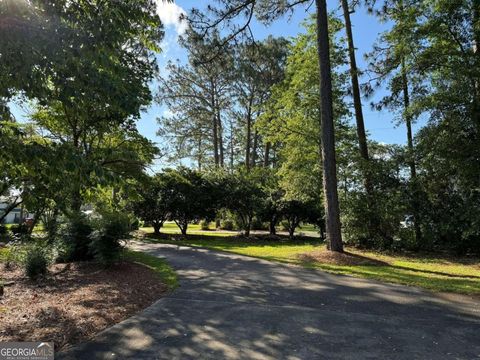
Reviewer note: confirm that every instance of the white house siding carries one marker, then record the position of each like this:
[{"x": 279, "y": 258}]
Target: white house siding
[{"x": 13, "y": 217}]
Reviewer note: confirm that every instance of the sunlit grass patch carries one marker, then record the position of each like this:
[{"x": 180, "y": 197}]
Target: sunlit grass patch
[{"x": 160, "y": 266}]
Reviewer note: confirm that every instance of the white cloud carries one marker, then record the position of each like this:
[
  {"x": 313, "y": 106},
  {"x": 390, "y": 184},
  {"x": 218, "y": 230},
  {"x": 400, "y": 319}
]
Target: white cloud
[{"x": 171, "y": 15}]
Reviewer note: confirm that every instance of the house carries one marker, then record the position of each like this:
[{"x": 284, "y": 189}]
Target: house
[{"x": 13, "y": 216}]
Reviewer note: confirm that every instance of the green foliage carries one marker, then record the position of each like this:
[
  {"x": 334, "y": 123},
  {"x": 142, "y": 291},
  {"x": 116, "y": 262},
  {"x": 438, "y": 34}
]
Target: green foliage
[
  {"x": 243, "y": 197},
  {"x": 227, "y": 224},
  {"x": 189, "y": 197},
  {"x": 296, "y": 211},
  {"x": 153, "y": 202},
  {"x": 105, "y": 241},
  {"x": 73, "y": 239},
  {"x": 36, "y": 262}
]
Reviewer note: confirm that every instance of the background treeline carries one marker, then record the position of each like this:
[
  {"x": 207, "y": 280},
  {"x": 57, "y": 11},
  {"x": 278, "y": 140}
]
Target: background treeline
[{"x": 240, "y": 200}]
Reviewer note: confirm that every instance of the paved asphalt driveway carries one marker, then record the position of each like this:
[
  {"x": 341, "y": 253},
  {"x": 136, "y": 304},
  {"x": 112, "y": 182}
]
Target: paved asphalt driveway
[{"x": 234, "y": 307}]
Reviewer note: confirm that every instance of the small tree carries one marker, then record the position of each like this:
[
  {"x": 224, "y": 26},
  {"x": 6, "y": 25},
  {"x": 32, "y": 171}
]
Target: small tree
[
  {"x": 153, "y": 205},
  {"x": 190, "y": 197},
  {"x": 272, "y": 196},
  {"x": 297, "y": 211},
  {"x": 244, "y": 198}
]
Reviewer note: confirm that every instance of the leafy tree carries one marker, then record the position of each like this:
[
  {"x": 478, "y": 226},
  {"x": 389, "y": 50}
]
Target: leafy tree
[
  {"x": 244, "y": 197},
  {"x": 295, "y": 212},
  {"x": 87, "y": 68},
  {"x": 190, "y": 197},
  {"x": 153, "y": 205}
]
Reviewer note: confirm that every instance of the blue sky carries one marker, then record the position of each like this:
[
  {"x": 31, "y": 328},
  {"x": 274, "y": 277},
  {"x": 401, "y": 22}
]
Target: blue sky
[{"x": 380, "y": 125}]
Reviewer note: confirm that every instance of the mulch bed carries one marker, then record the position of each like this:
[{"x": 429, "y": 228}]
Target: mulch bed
[
  {"x": 334, "y": 258},
  {"x": 74, "y": 302}
]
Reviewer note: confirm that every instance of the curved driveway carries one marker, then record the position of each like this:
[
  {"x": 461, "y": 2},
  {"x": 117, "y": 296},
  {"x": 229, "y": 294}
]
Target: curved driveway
[{"x": 234, "y": 307}]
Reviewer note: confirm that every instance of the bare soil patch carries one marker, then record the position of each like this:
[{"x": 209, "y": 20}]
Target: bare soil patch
[
  {"x": 75, "y": 301},
  {"x": 334, "y": 258}
]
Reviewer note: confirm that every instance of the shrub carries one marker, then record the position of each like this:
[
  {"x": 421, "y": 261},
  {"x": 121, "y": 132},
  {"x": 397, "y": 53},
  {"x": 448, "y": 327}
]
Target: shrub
[
  {"x": 205, "y": 225},
  {"x": 36, "y": 262},
  {"x": 227, "y": 224},
  {"x": 73, "y": 240},
  {"x": 105, "y": 244}
]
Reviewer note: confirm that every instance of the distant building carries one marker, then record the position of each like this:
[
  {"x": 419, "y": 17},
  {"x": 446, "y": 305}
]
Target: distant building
[{"x": 14, "y": 216}]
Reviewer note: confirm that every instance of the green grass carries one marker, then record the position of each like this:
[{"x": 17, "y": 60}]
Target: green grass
[
  {"x": 193, "y": 229},
  {"x": 159, "y": 266},
  {"x": 433, "y": 273}
]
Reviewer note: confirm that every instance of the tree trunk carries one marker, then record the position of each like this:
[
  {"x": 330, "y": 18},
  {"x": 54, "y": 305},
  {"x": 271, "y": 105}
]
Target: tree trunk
[
  {"x": 357, "y": 101},
  {"x": 249, "y": 134},
  {"x": 266, "y": 158},
  {"x": 184, "y": 228},
  {"x": 272, "y": 226},
  {"x": 254, "y": 149},
  {"x": 332, "y": 209},
  {"x": 411, "y": 153},
  {"x": 220, "y": 140},
  {"x": 199, "y": 155},
  {"x": 156, "y": 228},
  {"x": 36, "y": 217},
  {"x": 220, "y": 135},
  {"x": 215, "y": 141},
  {"x": 291, "y": 232},
  {"x": 214, "y": 127},
  {"x": 232, "y": 147},
  {"x": 248, "y": 226}
]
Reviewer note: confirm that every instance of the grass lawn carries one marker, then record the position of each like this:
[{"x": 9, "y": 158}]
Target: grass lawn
[
  {"x": 193, "y": 229},
  {"x": 458, "y": 275},
  {"x": 159, "y": 266}
]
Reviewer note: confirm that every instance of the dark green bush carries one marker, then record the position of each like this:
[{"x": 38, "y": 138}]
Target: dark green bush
[
  {"x": 36, "y": 262},
  {"x": 105, "y": 242},
  {"x": 227, "y": 224},
  {"x": 73, "y": 240}
]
